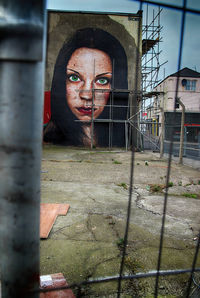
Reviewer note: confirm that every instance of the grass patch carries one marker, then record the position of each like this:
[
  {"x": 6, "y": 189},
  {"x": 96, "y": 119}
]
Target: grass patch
[
  {"x": 190, "y": 195},
  {"x": 155, "y": 187},
  {"x": 116, "y": 162},
  {"x": 120, "y": 243},
  {"x": 132, "y": 263},
  {"x": 158, "y": 187},
  {"x": 123, "y": 184}
]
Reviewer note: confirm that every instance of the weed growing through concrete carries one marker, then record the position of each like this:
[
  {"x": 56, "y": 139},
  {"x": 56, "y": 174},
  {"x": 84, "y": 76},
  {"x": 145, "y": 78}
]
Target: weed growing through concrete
[
  {"x": 116, "y": 162},
  {"x": 123, "y": 184},
  {"x": 190, "y": 195},
  {"x": 158, "y": 187},
  {"x": 120, "y": 243},
  {"x": 155, "y": 187}
]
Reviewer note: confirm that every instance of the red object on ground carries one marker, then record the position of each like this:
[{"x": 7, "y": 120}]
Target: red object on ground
[
  {"x": 48, "y": 215},
  {"x": 54, "y": 281},
  {"x": 47, "y": 107}
]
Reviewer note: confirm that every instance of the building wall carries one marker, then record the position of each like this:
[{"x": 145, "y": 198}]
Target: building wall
[
  {"x": 191, "y": 99},
  {"x": 66, "y": 125},
  {"x": 164, "y": 102}
]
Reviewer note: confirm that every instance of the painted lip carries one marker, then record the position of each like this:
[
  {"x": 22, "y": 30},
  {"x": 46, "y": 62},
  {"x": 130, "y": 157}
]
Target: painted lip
[{"x": 85, "y": 111}]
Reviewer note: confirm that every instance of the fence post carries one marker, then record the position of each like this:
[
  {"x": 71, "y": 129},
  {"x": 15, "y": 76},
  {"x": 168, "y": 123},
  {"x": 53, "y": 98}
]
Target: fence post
[
  {"x": 22, "y": 27},
  {"x": 182, "y": 131}
]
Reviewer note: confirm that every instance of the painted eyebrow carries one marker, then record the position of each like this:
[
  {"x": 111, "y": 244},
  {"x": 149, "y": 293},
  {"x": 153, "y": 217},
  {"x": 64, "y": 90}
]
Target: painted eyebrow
[
  {"x": 103, "y": 74},
  {"x": 73, "y": 70}
]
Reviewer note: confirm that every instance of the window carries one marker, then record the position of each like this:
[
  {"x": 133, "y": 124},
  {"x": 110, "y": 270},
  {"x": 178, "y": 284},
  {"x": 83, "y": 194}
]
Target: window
[{"x": 190, "y": 85}]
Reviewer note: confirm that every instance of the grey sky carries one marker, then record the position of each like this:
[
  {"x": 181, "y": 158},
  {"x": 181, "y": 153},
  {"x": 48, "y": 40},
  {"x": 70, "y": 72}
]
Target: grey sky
[{"x": 170, "y": 20}]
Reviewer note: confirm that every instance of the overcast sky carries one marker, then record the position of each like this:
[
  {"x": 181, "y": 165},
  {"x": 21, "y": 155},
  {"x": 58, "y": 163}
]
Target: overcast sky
[{"x": 170, "y": 20}]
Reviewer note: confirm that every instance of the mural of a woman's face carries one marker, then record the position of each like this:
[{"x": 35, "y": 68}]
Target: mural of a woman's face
[{"x": 88, "y": 68}]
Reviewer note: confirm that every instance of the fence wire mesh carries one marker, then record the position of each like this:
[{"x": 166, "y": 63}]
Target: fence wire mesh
[
  {"x": 193, "y": 272},
  {"x": 158, "y": 273}
]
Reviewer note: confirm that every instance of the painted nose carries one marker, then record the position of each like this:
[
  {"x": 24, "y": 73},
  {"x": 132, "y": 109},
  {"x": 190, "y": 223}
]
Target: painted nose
[{"x": 86, "y": 91}]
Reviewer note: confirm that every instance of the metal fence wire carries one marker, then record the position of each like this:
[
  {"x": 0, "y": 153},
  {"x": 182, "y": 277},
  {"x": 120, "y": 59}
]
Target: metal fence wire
[
  {"x": 193, "y": 271},
  {"x": 157, "y": 273}
]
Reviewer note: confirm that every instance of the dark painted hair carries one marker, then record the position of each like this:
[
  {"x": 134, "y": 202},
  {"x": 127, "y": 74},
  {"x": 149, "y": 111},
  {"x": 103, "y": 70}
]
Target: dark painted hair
[{"x": 67, "y": 129}]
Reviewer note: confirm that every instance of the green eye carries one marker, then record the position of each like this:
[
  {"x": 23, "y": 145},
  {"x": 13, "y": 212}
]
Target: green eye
[
  {"x": 74, "y": 78},
  {"x": 102, "y": 81}
]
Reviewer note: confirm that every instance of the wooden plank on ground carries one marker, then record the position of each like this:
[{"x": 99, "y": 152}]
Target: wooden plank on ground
[
  {"x": 54, "y": 281},
  {"x": 48, "y": 215}
]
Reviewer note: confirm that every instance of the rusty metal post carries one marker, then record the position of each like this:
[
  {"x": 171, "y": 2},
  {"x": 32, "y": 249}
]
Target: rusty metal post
[{"x": 22, "y": 26}]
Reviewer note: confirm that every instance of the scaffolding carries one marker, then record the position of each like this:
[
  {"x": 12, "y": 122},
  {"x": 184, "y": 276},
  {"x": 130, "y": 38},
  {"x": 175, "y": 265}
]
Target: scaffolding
[{"x": 151, "y": 38}]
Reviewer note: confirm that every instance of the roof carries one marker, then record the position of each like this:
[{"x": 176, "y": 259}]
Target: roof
[{"x": 186, "y": 72}]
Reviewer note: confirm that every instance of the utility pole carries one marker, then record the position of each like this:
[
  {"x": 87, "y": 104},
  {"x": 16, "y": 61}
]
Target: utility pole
[{"x": 22, "y": 28}]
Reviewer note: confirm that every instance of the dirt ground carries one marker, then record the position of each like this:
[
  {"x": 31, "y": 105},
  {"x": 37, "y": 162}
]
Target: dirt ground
[{"x": 87, "y": 242}]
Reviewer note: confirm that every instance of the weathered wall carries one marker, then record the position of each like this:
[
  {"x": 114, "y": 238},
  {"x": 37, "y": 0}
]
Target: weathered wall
[
  {"x": 61, "y": 26},
  {"x": 123, "y": 46}
]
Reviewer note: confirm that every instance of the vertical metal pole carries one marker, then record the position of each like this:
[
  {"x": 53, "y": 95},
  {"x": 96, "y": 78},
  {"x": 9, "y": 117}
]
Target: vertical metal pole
[
  {"x": 92, "y": 123},
  {"x": 162, "y": 132},
  {"x": 185, "y": 140},
  {"x": 112, "y": 104},
  {"x": 182, "y": 132},
  {"x": 126, "y": 134},
  {"x": 110, "y": 119},
  {"x": 21, "y": 102}
]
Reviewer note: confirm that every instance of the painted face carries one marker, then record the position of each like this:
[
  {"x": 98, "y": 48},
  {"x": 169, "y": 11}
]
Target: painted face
[{"x": 87, "y": 69}]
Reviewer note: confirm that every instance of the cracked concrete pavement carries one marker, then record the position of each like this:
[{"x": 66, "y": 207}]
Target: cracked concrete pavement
[{"x": 86, "y": 242}]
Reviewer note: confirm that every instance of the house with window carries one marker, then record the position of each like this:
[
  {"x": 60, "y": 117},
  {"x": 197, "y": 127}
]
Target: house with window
[{"x": 183, "y": 86}]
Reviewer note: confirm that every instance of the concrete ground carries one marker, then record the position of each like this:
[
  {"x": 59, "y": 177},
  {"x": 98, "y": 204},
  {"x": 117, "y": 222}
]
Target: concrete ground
[{"x": 87, "y": 242}]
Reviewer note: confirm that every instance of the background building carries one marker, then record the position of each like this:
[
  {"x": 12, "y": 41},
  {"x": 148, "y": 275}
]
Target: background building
[{"x": 166, "y": 101}]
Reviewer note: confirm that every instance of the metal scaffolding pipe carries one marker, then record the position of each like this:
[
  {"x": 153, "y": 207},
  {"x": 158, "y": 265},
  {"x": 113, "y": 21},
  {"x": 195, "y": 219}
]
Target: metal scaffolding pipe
[
  {"x": 180, "y": 160},
  {"x": 162, "y": 132},
  {"x": 21, "y": 103}
]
